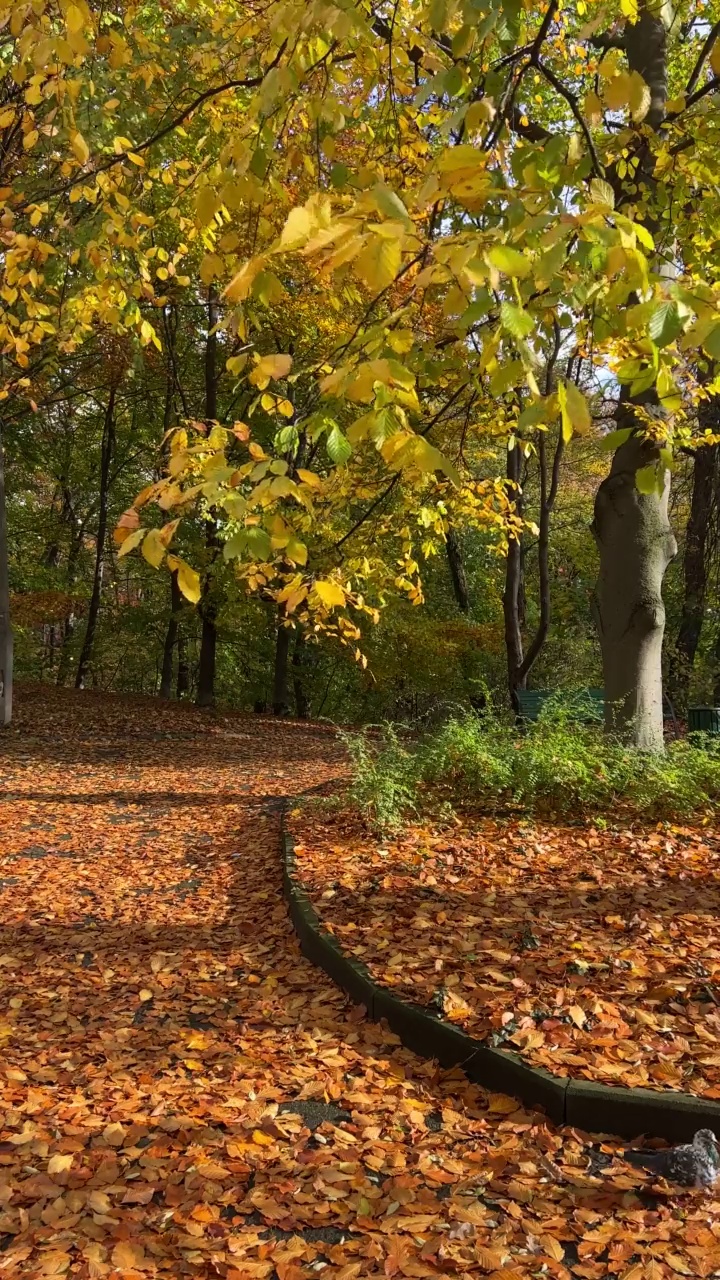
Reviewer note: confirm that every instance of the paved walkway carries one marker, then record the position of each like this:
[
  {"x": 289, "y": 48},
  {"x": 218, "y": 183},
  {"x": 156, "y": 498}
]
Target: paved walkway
[{"x": 183, "y": 1094}]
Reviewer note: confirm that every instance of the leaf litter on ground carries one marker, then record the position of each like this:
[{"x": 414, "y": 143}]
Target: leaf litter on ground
[
  {"x": 594, "y": 953},
  {"x": 185, "y": 1095}
]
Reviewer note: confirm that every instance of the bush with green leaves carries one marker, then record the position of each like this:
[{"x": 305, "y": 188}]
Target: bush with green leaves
[{"x": 554, "y": 767}]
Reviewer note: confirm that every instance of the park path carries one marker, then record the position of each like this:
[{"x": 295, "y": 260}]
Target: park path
[{"x": 183, "y": 1094}]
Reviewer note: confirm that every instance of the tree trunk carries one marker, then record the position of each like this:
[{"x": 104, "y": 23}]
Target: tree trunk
[
  {"x": 171, "y": 636},
  {"x": 107, "y": 448},
  {"x": 636, "y": 545},
  {"x": 183, "y": 670},
  {"x": 6, "y": 635},
  {"x": 695, "y": 570},
  {"x": 208, "y": 604},
  {"x": 457, "y": 570},
  {"x": 632, "y": 529},
  {"x": 281, "y": 697},
  {"x": 302, "y": 706},
  {"x": 512, "y": 594}
]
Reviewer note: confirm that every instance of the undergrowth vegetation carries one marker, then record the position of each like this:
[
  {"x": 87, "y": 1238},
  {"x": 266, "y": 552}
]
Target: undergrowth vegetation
[{"x": 553, "y": 767}]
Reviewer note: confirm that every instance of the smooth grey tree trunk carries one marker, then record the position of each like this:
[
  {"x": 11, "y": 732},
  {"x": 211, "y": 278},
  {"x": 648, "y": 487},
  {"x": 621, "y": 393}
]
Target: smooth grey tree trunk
[
  {"x": 636, "y": 544},
  {"x": 6, "y": 635},
  {"x": 632, "y": 529}
]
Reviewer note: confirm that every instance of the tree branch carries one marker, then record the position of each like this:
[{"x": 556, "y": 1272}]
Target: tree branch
[{"x": 703, "y": 56}]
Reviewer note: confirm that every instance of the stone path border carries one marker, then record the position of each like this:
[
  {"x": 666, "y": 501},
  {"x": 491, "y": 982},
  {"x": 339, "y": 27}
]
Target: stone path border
[{"x": 595, "y": 1108}]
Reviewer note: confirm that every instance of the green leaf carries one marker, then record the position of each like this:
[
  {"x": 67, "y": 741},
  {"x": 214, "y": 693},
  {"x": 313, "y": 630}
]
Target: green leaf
[
  {"x": 389, "y": 203},
  {"x": 517, "y": 321},
  {"x": 614, "y": 439},
  {"x": 510, "y": 261},
  {"x": 665, "y": 324},
  {"x": 712, "y": 343},
  {"x": 338, "y": 446},
  {"x": 646, "y": 479}
]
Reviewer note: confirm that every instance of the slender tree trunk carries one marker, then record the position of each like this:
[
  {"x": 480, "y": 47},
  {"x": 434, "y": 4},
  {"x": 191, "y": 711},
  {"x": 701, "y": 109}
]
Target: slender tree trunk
[
  {"x": 632, "y": 529},
  {"x": 513, "y": 587},
  {"x": 171, "y": 635},
  {"x": 281, "y": 696},
  {"x": 68, "y": 627},
  {"x": 6, "y": 635},
  {"x": 183, "y": 669},
  {"x": 108, "y": 446},
  {"x": 457, "y": 570},
  {"x": 695, "y": 570},
  {"x": 548, "y": 494},
  {"x": 302, "y": 706},
  {"x": 208, "y": 603}
]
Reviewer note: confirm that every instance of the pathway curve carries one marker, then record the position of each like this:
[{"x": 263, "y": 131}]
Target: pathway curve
[{"x": 184, "y": 1095}]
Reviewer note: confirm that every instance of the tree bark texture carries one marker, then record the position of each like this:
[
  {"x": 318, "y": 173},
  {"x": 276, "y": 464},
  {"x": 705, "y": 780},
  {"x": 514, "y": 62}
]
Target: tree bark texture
[
  {"x": 106, "y": 454},
  {"x": 6, "y": 635},
  {"x": 208, "y": 604},
  {"x": 695, "y": 571},
  {"x": 171, "y": 635},
  {"x": 302, "y": 705},
  {"x": 457, "y": 570},
  {"x": 513, "y": 593},
  {"x": 632, "y": 529},
  {"x": 281, "y": 697},
  {"x": 636, "y": 544}
]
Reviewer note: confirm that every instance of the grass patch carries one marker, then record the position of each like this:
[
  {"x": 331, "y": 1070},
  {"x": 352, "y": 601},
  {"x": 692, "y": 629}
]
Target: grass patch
[{"x": 555, "y": 767}]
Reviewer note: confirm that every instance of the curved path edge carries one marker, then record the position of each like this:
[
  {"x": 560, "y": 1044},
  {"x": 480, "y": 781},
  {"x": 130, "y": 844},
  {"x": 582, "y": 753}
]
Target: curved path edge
[{"x": 593, "y": 1107}]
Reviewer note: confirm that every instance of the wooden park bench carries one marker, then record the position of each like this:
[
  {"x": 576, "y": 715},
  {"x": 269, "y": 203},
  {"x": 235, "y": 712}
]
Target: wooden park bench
[{"x": 587, "y": 706}]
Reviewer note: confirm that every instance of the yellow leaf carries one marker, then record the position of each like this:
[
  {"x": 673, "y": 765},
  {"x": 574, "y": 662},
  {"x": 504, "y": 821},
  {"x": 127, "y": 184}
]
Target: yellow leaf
[
  {"x": 114, "y": 1134},
  {"x": 715, "y": 59},
  {"x": 241, "y": 284},
  {"x": 99, "y": 1202},
  {"x": 207, "y": 205},
  {"x": 379, "y": 262},
  {"x": 79, "y": 146},
  {"x": 30, "y": 139},
  {"x": 130, "y": 541},
  {"x": 617, "y": 91},
  {"x": 574, "y": 410},
  {"x": 188, "y": 579},
  {"x": 261, "y": 1139},
  {"x": 309, "y": 478},
  {"x": 153, "y": 549},
  {"x": 54, "y": 1263},
  {"x": 272, "y": 366},
  {"x": 297, "y": 230},
  {"x": 146, "y": 994},
  {"x": 286, "y": 408},
  {"x": 128, "y": 1255},
  {"x": 58, "y": 1163},
  {"x": 330, "y": 593},
  {"x": 639, "y": 97},
  {"x": 210, "y": 267},
  {"x": 74, "y": 18},
  {"x": 577, "y": 1014},
  {"x": 193, "y": 1064}
]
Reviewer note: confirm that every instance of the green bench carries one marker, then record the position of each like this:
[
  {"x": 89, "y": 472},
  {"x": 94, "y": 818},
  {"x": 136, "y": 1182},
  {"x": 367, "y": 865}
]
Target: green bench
[
  {"x": 704, "y": 720},
  {"x": 585, "y": 705}
]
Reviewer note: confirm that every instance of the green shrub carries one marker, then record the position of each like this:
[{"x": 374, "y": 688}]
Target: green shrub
[{"x": 555, "y": 767}]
